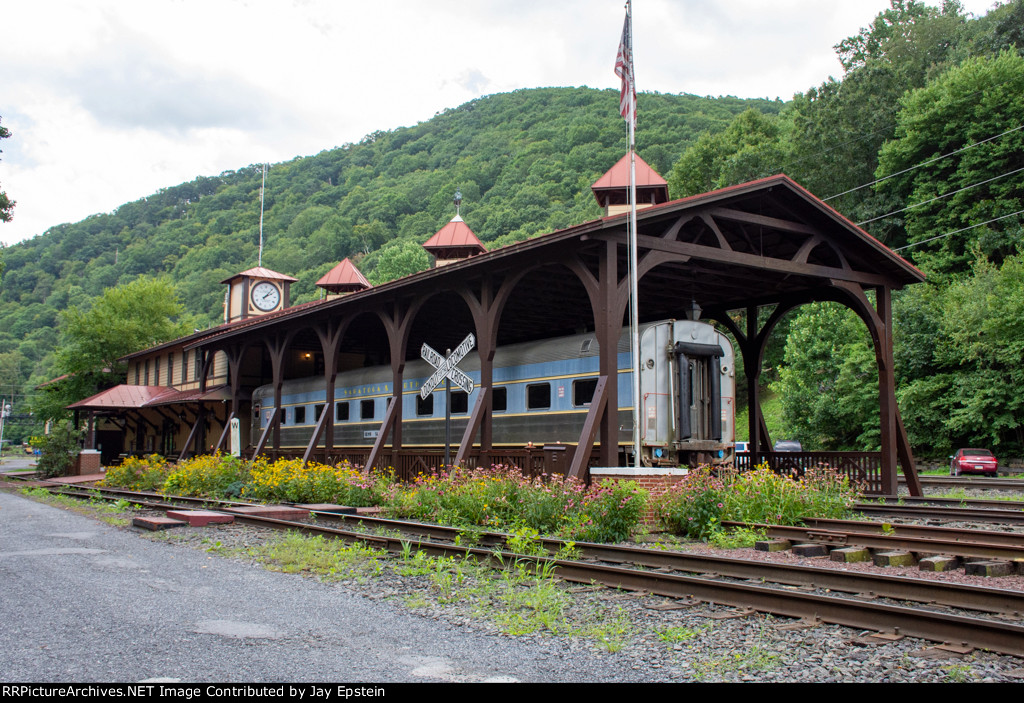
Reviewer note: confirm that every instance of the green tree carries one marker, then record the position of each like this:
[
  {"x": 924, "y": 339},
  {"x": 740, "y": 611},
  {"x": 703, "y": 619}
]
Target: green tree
[
  {"x": 829, "y": 380},
  {"x": 750, "y": 147},
  {"x": 955, "y": 202},
  {"x": 93, "y": 338},
  {"x": 6, "y": 204}
]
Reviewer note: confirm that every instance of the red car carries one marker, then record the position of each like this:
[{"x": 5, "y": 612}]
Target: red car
[{"x": 973, "y": 461}]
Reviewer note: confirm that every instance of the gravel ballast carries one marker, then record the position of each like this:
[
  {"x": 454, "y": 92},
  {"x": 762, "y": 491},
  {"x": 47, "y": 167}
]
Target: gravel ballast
[{"x": 646, "y": 638}]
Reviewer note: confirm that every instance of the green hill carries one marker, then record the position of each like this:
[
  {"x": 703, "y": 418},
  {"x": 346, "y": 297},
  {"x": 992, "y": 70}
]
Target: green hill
[{"x": 524, "y": 162}]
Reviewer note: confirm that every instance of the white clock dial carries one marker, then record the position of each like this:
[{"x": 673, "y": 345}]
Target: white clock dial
[{"x": 265, "y": 296}]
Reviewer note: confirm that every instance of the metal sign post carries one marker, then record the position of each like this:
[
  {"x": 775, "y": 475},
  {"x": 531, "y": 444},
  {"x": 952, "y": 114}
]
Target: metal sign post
[{"x": 447, "y": 371}]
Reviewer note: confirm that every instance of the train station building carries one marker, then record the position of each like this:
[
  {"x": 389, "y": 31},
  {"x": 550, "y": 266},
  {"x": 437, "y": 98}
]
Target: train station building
[{"x": 739, "y": 258}]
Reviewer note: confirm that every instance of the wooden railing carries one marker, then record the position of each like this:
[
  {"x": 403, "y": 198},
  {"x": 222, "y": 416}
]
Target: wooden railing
[
  {"x": 407, "y": 463},
  {"x": 862, "y": 467}
]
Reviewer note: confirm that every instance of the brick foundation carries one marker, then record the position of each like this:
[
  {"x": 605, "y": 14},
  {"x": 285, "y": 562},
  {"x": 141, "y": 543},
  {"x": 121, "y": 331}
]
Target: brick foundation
[
  {"x": 88, "y": 462},
  {"x": 654, "y": 480}
]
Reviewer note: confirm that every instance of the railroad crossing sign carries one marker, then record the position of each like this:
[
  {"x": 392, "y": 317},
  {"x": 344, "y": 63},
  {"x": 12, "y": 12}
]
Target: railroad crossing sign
[{"x": 447, "y": 367}]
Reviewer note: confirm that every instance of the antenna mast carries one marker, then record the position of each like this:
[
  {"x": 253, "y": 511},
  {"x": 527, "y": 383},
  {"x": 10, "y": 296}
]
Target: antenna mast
[{"x": 259, "y": 261}]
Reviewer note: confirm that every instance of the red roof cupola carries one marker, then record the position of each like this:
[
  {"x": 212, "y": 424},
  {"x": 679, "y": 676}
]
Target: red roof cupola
[
  {"x": 612, "y": 189},
  {"x": 343, "y": 278},
  {"x": 455, "y": 241}
]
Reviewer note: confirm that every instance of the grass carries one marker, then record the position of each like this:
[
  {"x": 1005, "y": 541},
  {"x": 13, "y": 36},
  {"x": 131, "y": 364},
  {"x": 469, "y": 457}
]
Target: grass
[
  {"x": 330, "y": 560},
  {"x": 524, "y": 597}
]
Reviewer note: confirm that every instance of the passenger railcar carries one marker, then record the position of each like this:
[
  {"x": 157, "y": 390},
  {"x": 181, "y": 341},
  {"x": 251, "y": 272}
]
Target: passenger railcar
[{"x": 541, "y": 394}]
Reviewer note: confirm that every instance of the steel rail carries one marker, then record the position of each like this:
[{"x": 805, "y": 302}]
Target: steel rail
[
  {"x": 1011, "y": 539},
  {"x": 919, "y": 590},
  {"x": 1007, "y": 638},
  {"x": 1014, "y": 516},
  {"x": 986, "y": 484}
]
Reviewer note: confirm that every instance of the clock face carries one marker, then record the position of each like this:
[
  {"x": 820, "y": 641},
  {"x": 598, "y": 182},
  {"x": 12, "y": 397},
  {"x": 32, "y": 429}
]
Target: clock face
[{"x": 265, "y": 296}]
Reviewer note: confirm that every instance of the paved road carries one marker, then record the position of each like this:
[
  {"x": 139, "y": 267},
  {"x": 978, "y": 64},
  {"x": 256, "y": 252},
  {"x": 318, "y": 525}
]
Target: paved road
[{"x": 83, "y": 601}]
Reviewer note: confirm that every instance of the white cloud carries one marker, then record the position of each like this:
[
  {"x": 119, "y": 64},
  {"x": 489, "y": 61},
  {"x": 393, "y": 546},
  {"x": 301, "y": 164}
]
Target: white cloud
[{"x": 110, "y": 100}]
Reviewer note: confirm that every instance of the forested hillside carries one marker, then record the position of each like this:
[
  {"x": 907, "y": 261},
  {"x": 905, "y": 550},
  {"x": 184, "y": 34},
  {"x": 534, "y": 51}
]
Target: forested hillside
[{"x": 524, "y": 162}]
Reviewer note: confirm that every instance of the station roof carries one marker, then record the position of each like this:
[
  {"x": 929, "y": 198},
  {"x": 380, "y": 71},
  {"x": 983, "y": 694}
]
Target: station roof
[
  {"x": 126, "y": 397},
  {"x": 750, "y": 244}
]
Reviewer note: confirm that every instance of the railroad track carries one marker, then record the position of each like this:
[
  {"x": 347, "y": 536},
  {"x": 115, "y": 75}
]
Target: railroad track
[
  {"x": 993, "y": 511},
  {"x": 960, "y": 616},
  {"x": 985, "y": 484}
]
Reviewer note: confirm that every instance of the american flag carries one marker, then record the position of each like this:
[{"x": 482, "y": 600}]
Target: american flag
[{"x": 624, "y": 70}]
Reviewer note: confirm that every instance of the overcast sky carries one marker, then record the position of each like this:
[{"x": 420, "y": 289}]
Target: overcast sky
[{"x": 109, "y": 100}]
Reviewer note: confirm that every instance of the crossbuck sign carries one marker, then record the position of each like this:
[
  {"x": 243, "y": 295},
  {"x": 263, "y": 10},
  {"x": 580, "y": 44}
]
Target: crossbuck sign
[{"x": 447, "y": 367}]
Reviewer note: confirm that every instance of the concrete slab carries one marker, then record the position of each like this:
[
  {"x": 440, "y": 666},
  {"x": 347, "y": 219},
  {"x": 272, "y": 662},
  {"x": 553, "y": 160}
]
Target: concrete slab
[
  {"x": 850, "y": 555},
  {"x": 989, "y": 568},
  {"x": 157, "y": 523},
  {"x": 894, "y": 559},
  {"x": 772, "y": 545},
  {"x": 939, "y": 563},
  {"x": 199, "y": 518},
  {"x": 811, "y": 550}
]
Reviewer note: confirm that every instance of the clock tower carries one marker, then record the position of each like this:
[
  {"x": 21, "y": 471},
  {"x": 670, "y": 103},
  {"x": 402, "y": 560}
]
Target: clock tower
[{"x": 255, "y": 292}]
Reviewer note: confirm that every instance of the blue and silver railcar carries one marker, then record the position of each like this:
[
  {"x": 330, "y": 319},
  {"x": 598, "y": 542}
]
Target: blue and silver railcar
[{"x": 541, "y": 394}]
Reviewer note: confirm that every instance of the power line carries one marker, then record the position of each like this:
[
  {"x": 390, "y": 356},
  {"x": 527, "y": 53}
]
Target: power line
[
  {"x": 940, "y": 197},
  {"x": 962, "y": 229},
  {"x": 924, "y": 163}
]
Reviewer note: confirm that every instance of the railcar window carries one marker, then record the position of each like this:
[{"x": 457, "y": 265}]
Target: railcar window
[
  {"x": 300, "y": 415},
  {"x": 318, "y": 410},
  {"x": 538, "y": 396},
  {"x": 341, "y": 411},
  {"x": 425, "y": 407},
  {"x": 499, "y": 399},
  {"x": 367, "y": 409},
  {"x": 460, "y": 402},
  {"x": 583, "y": 391}
]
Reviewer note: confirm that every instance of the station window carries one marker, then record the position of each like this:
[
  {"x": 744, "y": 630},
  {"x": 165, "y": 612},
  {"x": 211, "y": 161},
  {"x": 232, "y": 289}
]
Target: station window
[
  {"x": 367, "y": 409},
  {"x": 145, "y": 374},
  {"x": 425, "y": 407},
  {"x": 170, "y": 369},
  {"x": 156, "y": 371},
  {"x": 300, "y": 415},
  {"x": 583, "y": 391},
  {"x": 499, "y": 399},
  {"x": 137, "y": 375},
  {"x": 538, "y": 396},
  {"x": 341, "y": 411}
]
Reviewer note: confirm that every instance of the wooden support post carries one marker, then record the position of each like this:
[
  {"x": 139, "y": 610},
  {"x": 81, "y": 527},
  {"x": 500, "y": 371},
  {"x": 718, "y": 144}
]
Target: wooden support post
[
  {"x": 598, "y": 408},
  {"x": 390, "y": 416},
  {"x": 266, "y": 433},
  {"x": 224, "y": 433},
  {"x": 317, "y": 431},
  {"x": 483, "y": 401}
]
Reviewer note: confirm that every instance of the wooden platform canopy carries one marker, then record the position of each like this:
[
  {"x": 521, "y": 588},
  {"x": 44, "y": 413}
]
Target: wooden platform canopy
[{"x": 764, "y": 244}]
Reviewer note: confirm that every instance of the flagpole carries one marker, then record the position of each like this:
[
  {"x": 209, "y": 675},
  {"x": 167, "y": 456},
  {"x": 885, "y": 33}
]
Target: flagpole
[{"x": 634, "y": 320}]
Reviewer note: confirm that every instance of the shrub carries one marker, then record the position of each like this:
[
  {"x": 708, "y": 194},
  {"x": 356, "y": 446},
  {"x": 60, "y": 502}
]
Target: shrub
[
  {"x": 57, "y": 450},
  {"x": 288, "y": 480},
  {"x": 613, "y": 511},
  {"x": 138, "y": 473},
  {"x": 697, "y": 505},
  {"x": 694, "y": 506},
  {"x": 216, "y": 476}
]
